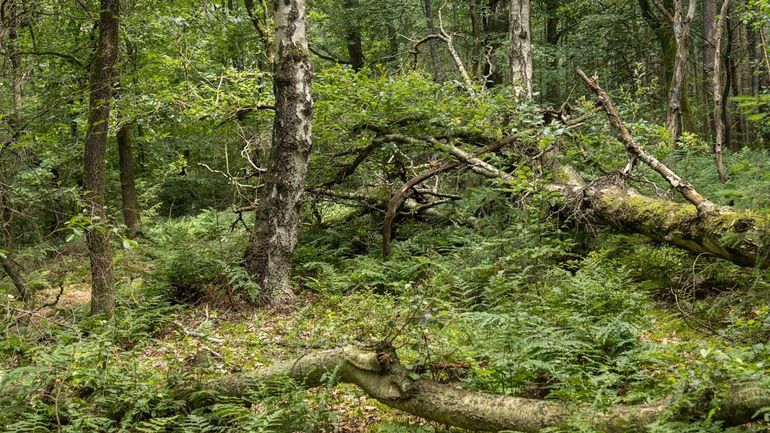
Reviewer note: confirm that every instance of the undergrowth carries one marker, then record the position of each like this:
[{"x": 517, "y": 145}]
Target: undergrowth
[{"x": 512, "y": 306}]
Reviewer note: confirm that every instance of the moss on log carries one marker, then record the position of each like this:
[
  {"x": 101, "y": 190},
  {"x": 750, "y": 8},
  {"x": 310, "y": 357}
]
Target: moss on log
[
  {"x": 381, "y": 376},
  {"x": 740, "y": 236}
]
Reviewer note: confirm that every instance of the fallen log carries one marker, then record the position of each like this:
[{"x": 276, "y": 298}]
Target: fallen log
[
  {"x": 379, "y": 374},
  {"x": 701, "y": 227},
  {"x": 740, "y": 236}
]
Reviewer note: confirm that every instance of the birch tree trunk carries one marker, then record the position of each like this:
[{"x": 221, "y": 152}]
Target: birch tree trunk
[
  {"x": 99, "y": 251},
  {"x": 681, "y": 25},
  {"x": 682, "y": 35},
  {"x": 521, "y": 46},
  {"x": 381, "y": 376},
  {"x": 268, "y": 258}
]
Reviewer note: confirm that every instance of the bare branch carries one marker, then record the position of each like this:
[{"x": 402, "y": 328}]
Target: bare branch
[{"x": 624, "y": 135}]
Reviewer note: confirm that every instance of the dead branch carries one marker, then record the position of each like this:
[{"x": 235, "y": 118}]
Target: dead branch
[
  {"x": 397, "y": 199},
  {"x": 624, "y": 135}
]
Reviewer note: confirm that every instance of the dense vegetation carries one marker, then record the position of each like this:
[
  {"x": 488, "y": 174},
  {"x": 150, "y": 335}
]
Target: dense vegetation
[{"x": 467, "y": 215}]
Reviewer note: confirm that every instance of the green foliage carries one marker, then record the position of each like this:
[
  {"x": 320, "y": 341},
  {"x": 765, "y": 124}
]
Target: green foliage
[{"x": 201, "y": 260}]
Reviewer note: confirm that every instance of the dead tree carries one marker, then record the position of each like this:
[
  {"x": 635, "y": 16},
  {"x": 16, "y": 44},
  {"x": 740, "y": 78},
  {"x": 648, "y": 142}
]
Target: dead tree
[{"x": 378, "y": 372}]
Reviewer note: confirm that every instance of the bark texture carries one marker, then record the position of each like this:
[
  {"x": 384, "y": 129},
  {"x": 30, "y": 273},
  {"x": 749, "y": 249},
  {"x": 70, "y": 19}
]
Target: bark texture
[
  {"x": 709, "y": 32},
  {"x": 624, "y": 135},
  {"x": 103, "y": 74},
  {"x": 740, "y": 236},
  {"x": 719, "y": 126},
  {"x": 131, "y": 214},
  {"x": 680, "y": 22},
  {"x": 521, "y": 46},
  {"x": 380, "y": 375},
  {"x": 268, "y": 258},
  {"x": 700, "y": 226}
]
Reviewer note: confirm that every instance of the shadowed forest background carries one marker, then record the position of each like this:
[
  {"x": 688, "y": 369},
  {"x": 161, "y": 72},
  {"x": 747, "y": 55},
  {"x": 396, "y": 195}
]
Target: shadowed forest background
[{"x": 385, "y": 216}]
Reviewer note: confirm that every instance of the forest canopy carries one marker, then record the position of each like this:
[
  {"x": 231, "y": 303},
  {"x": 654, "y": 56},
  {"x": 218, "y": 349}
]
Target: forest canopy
[{"x": 385, "y": 216}]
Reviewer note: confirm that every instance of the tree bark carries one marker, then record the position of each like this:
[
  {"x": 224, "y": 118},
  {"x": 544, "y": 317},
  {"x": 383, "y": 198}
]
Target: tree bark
[
  {"x": 268, "y": 258},
  {"x": 719, "y": 127},
  {"x": 380, "y": 375},
  {"x": 12, "y": 23},
  {"x": 103, "y": 74},
  {"x": 353, "y": 37},
  {"x": 700, "y": 226},
  {"x": 521, "y": 46},
  {"x": 730, "y": 234},
  {"x": 638, "y": 152},
  {"x": 432, "y": 44},
  {"x": 680, "y": 25},
  {"x": 709, "y": 33},
  {"x": 131, "y": 212}
]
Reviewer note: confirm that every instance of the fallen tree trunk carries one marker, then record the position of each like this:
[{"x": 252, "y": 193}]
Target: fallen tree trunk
[
  {"x": 740, "y": 236},
  {"x": 379, "y": 374},
  {"x": 701, "y": 227}
]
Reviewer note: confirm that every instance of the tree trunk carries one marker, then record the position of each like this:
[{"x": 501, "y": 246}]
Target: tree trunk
[
  {"x": 521, "y": 46},
  {"x": 99, "y": 251},
  {"x": 552, "y": 88},
  {"x": 353, "y": 36},
  {"x": 131, "y": 213},
  {"x": 709, "y": 33},
  {"x": 719, "y": 127},
  {"x": 681, "y": 26},
  {"x": 724, "y": 232},
  {"x": 268, "y": 258},
  {"x": 380, "y": 375},
  {"x": 432, "y": 44},
  {"x": 733, "y": 82},
  {"x": 700, "y": 226},
  {"x": 709, "y": 48}
]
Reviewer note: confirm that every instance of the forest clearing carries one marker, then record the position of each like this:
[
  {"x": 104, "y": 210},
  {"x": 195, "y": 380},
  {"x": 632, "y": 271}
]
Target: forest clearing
[{"x": 394, "y": 216}]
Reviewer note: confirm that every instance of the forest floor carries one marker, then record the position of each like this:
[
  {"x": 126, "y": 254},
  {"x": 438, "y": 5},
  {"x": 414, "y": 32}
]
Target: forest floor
[{"x": 514, "y": 306}]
